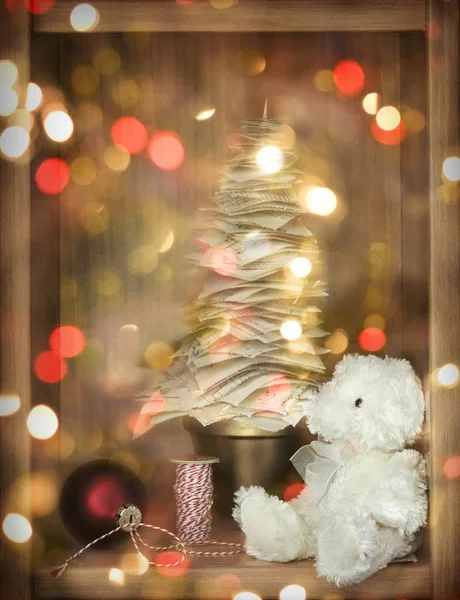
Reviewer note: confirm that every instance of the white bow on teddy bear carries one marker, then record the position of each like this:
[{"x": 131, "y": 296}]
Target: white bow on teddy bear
[{"x": 365, "y": 498}]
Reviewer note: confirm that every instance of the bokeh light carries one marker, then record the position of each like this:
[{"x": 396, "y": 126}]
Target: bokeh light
[
  {"x": 388, "y": 137},
  {"x": 117, "y": 577},
  {"x": 451, "y": 468},
  {"x": 388, "y": 118},
  {"x": 206, "y": 114},
  {"x": 320, "y": 201},
  {"x": 349, "y": 77},
  {"x": 50, "y": 367},
  {"x": 142, "y": 260},
  {"x": 168, "y": 242},
  {"x": 34, "y": 96},
  {"x": 8, "y": 101},
  {"x": 171, "y": 557},
  {"x": 42, "y": 422},
  {"x": 293, "y": 490},
  {"x": 414, "y": 121},
  {"x": 130, "y": 134},
  {"x": 451, "y": 168},
  {"x": 107, "y": 61},
  {"x": 300, "y": 266},
  {"x": 126, "y": 93},
  {"x": 270, "y": 159},
  {"x": 67, "y": 341},
  {"x": 52, "y": 176},
  {"x": 448, "y": 375},
  {"x": 134, "y": 563},
  {"x": 246, "y": 596},
  {"x": 17, "y": 528},
  {"x": 22, "y": 118},
  {"x": 108, "y": 283},
  {"x": 374, "y": 320},
  {"x": 291, "y": 330},
  {"x": 337, "y": 342},
  {"x": 8, "y": 73},
  {"x": 85, "y": 80},
  {"x": 159, "y": 355},
  {"x": 38, "y": 491},
  {"x": 324, "y": 81},
  {"x": 372, "y": 339},
  {"x": 117, "y": 158},
  {"x": 58, "y": 126},
  {"x": 84, "y": 17},
  {"x": 293, "y": 592},
  {"x": 14, "y": 141},
  {"x": 371, "y": 103},
  {"x": 39, "y": 7},
  {"x": 83, "y": 171},
  {"x": 166, "y": 151},
  {"x": 94, "y": 218},
  {"x": 9, "y": 405},
  {"x": 252, "y": 62}
]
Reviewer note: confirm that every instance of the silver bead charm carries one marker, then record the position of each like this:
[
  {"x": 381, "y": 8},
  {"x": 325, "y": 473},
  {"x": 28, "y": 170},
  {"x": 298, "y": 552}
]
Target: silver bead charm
[{"x": 128, "y": 516}]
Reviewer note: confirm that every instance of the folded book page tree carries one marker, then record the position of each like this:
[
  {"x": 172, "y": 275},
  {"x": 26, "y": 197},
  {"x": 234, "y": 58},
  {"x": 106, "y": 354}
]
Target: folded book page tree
[{"x": 253, "y": 352}]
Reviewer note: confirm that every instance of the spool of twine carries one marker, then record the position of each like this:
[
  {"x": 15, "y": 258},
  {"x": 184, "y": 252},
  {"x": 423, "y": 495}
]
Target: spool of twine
[{"x": 194, "y": 494}]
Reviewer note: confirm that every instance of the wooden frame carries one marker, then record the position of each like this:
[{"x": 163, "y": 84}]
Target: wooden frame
[{"x": 442, "y": 574}]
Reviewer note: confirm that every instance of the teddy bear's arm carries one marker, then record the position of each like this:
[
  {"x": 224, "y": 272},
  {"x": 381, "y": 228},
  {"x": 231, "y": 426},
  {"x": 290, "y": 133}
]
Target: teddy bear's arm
[{"x": 400, "y": 501}]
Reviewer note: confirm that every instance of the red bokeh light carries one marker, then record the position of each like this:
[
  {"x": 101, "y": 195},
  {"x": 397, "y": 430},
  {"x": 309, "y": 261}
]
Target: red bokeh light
[
  {"x": 388, "y": 138},
  {"x": 293, "y": 490},
  {"x": 222, "y": 261},
  {"x": 50, "y": 367},
  {"x": 166, "y": 151},
  {"x": 52, "y": 176},
  {"x": 451, "y": 467},
  {"x": 104, "y": 497},
  {"x": 171, "y": 557},
  {"x": 129, "y": 134},
  {"x": 67, "y": 341},
  {"x": 349, "y": 77},
  {"x": 39, "y": 7},
  {"x": 372, "y": 339}
]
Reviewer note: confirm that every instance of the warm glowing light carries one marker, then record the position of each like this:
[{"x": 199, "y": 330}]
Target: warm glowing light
[
  {"x": 388, "y": 138},
  {"x": 84, "y": 17},
  {"x": 142, "y": 260},
  {"x": 49, "y": 367},
  {"x": 372, "y": 339},
  {"x": 126, "y": 93},
  {"x": 58, "y": 126},
  {"x": 38, "y": 491},
  {"x": 451, "y": 467},
  {"x": 388, "y": 118},
  {"x": 39, "y": 7},
  {"x": 14, "y": 141},
  {"x": 291, "y": 330},
  {"x": 116, "y": 158},
  {"x": 67, "y": 341},
  {"x": 85, "y": 80},
  {"x": 252, "y": 62},
  {"x": 205, "y": 114},
  {"x": 414, "y": 121},
  {"x": 374, "y": 321},
  {"x": 324, "y": 81},
  {"x": 8, "y": 101},
  {"x": 22, "y": 118},
  {"x": 107, "y": 61},
  {"x": 34, "y": 96},
  {"x": 117, "y": 576},
  {"x": 293, "y": 490},
  {"x": 130, "y": 134},
  {"x": 371, "y": 103},
  {"x": 83, "y": 171},
  {"x": 168, "y": 242},
  {"x": 166, "y": 151},
  {"x": 349, "y": 77},
  {"x": 94, "y": 217},
  {"x": 159, "y": 355},
  {"x": 451, "y": 168},
  {"x": 246, "y": 596},
  {"x": 448, "y": 375},
  {"x": 171, "y": 557},
  {"x": 320, "y": 201},
  {"x": 52, "y": 176},
  {"x": 42, "y": 422},
  {"x": 269, "y": 159},
  {"x": 134, "y": 564},
  {"x": 293, "y": 592},
  {"x": 8, "y": 73},
  {"x": 9, "y": 405},
  {"x": 337, "y": 342},
  {"x": 300, "y": 266},
  {"x": 17, "y": 528}
]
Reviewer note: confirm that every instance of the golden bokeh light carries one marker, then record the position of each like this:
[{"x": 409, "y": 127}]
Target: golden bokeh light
[
  {"x": 42, "y": 422},
  {"x": 448, "y": 375},
  {"x": 142, "y": 260},
  {"x": 107, "y": 61},
  {"x": 451, "y": 168},
  {"x": 38, "y": 491},
  {"x": 291, "y": 330},
  {"x": 300, "y": 266},
  {"x": 17, "y": 528},
  {"x": 388, "y": 118},
  {"x": 84, "y": 17},
  {"x": 414, "y": 121},
  {"x": 159, "y": 355},
  {"x": 58, "y": 126},
  {"x": 108, "y": 283},
  {"x": 116, "y": 158},
  {"x": 167, "y": 243},
  {"x": 374, "y": 320},
  {"x": 94, "y": 218},
  {"x": 83, "y": 171},
  {"x": 252, "y": 62},
  {"x": 337, "y": 342},
  {"x": 117, "y": 576},
  {"x": 14, "y": 141},
  {"x": 270, "y": 159},
  {"x": 320, "y": 201},
  {"x": 9, "y": 404},
  {"x": 371, "y": 103},
  {"x": 34, "y": 96},
  {"x": 8, "y": 101},
  {"x": 22, "y": 118},
  {"x": 133, "y": 563},
  {"x": 85, "y": 80},
  {"x": 203, "y": 115},
  {"x": 324, "y": 81},
  {"x": 125, "y": 93},
  {"x": 8, "y": 73},
  {"x": 293, "y": 592}
]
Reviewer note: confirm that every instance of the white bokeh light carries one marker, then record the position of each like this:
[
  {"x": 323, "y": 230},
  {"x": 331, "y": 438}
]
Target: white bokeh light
[
  {"x": 84, "y": 17},
  {"x": 58, "y": 126},
  {"x": 270, "y": 159},
  {"x": 451, "y": 168},
  {"x": 34, "y": 96},
  {"x": 9, "y": 405},
  {"x": 17, "y": 528},
  {"x": 293, "y": 592},
  {"x": 117, "y": 576},
  {"x": 246, "y": 596},
  {"x": 320, "y": 201},
  {"x": 8, "y": 73},
  {"x": 300, "y": 267},
  {"x": 205, "y": 114},
  {"x": 448, "y": 375},
  {"x": 14, "y": 141},
  {"x": 371, "y": 103},
  {"x": 8, "y": 101},
  {"x": 291, "y": 330},
  {"x": 388, "y": 118},
  {"x": 42, "y": 422}
]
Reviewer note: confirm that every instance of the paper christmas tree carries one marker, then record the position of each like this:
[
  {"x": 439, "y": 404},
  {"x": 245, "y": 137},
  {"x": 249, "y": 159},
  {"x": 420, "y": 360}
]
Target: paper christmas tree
[{"x": 253, "y": 354}]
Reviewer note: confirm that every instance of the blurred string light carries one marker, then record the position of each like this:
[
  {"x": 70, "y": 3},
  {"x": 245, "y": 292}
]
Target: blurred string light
[
  {"x": 85, "y": 80},
  {"x": 34, "y": 96},
  {"x": 337, "y": 342},
  {"x": 320, "y": 201},
  {"x": 39, "y": 7},
  {"x": 372, "y": 339},
  {"x": 168, "y": 242},
  {"x": 293, "y": 592},
  {"x": 388, "y": 118},
  {"x": 246, "y": 596},
  {"x": 269, "y": 159},
  {"x": 42, "y": 422},
  {"x": 14, "y": 141},
  {"x": 67, "y": 341},
  {"x": 448, "y": 375},
  {"x": 8, "y": 73},
  {"x": 52, "y": 176},
  {"x": 349, "y": 77},
  {"x": 17, "y": 528},
  {"x": 117, "y": 576},
  {"x": 291, "y": 330},
  {"x": 94, "y": 218},
  {"x": 107, "y": 61},
  {"x": 58, "y": 126},
  {"x": 50, "y": 367},
  {"x": 84, "y": 17},
  {"x": 8, "y": 101},
  {"x": 300, "y": 267},
  {"x": 159, "y": 355},
  {"x": 371, "y": 103},
  {"x": 83, "y": 171},
  {"x": 451, "y": 468},
  {"x": 324, "y": 81},
  {"x": 9, "y": 404},
  {"x": 129, "y": 134},
  {"x": 203, "y": 115},
  {"x": 117, "y": 158},
  {"x": 451, "y": 168},
  {"x": 166, "y": 151}
]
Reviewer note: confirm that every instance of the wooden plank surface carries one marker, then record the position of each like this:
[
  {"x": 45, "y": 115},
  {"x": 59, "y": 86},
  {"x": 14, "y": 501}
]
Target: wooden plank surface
[
  {"x": 15, "y": 330},
  {"x": 443, "y": 90},
  {"x": 253, "y": 15}
]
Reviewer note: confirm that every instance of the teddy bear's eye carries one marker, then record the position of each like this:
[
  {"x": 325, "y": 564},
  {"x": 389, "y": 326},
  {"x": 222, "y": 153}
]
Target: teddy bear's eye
[{"x": 358, "y": 402}]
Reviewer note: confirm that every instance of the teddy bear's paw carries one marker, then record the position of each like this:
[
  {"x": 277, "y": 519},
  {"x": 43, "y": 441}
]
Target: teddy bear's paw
[{"x": 346, "y": 548}]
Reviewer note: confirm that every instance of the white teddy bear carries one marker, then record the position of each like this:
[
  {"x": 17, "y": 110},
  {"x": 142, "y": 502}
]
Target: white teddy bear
[{"x": 365, "y": 497}]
